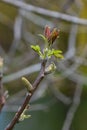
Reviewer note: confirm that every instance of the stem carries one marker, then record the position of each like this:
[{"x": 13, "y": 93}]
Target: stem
[
  {"x": 28, "y": 97},
  {"x": 2, "y": 97}
]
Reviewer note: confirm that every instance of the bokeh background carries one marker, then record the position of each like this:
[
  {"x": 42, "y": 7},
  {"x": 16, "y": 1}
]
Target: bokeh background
[{"x": 60, "y": 103}]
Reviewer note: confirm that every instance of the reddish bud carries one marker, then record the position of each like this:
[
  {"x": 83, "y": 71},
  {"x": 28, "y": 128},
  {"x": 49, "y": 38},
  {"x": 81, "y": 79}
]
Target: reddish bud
[
  {"x": 51, "y": 35},
  {"x": 54, "y": 35},
  {"x": 47, "y": 31}
]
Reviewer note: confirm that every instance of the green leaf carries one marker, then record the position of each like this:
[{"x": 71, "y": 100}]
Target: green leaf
[
  {"x": 50, "y": 53},
  {"x": 35, "y": 48},
  {"x": 23, "y": 117},
  {"x": 59, "y": 56},
  {"x": 43, "y": 37},
  {"x": 56, "y": 51}
]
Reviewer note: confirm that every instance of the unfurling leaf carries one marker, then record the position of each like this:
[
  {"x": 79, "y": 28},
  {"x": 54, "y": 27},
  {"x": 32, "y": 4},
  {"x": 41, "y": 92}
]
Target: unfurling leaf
[
  {"x": 43, "y": 37},
  {"x": 23, "y": 115},
  {"x": 57, "y": 53},
  {"x": 36, "y": 48}
]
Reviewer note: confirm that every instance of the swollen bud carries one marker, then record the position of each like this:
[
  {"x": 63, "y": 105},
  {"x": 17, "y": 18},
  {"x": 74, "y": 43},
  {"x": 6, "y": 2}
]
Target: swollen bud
[
  {"x": 27, "y": 84},
  {"x": 50, "y": 68}
]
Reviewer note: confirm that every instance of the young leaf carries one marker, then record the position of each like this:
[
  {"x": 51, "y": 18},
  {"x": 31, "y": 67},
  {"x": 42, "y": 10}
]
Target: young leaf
[
  {"x": 58, "y": 55},
  {"x": 35, "y": 48},
  {"x": 43, "y": 37}
]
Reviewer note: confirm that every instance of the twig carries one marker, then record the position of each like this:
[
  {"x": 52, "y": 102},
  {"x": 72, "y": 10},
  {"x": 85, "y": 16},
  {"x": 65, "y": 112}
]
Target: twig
[
  {"x": 17, "y": 35},
  {"x": 71, "y": 42},
  {"x": 68, "y": 4},
  {"x": 2, "y": 97},
  {"x": 70, "y": 71},
  {"x": 60, "y": 96},
  {"x": 73, "y": 108},
  {"x": 28, "y": 97},
  {"x": 20, "y": 73},
  {"x": 46, "y": 12},
  {"x": 40, "y": 21}
]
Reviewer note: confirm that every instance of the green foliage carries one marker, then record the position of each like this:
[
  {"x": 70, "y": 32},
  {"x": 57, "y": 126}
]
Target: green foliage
[
  {"x": 36, "y": 48},
  {"x": 55, "y": 53},
  {"x": 44, "y": 38},
  {"x": 23, "y": 115},
  {"x": 47, "y": 53}
]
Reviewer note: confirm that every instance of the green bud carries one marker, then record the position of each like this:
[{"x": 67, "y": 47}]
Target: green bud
[
  {"x": 23, "y": 116},
  {"x": 1, "y": 65},
  {"x": 27, "y": 84},
  {"x": 50, "y": 68}
]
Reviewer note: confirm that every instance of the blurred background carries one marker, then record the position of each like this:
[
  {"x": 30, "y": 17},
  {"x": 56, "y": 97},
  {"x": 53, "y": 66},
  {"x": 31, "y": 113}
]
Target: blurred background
[{"x": 60, "y": 103}]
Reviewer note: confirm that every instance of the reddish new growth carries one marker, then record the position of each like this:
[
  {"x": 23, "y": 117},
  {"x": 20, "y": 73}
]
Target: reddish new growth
[{"x": 51, "y": 34}]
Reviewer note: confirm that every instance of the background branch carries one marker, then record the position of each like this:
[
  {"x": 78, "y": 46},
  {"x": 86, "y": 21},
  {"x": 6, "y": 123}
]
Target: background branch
[
  {"x": 2, "y": 96},
  {"x": 73, "y": 108},
  {"x": 46, "y": 12}
]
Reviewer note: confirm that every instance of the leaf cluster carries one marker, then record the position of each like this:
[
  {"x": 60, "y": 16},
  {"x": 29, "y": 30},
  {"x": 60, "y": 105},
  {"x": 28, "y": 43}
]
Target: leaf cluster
[{"x": 47, "y": 53}]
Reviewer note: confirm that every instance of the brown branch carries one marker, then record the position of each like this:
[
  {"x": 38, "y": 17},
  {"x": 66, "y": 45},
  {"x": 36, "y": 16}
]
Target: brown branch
[
  {"x": 28, "y": 97},
  {"x": 2, "y": 97}
]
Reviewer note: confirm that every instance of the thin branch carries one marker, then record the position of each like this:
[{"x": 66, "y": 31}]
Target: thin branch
[
  {"x": 68, "y": 4},
  {"x": 20, "y": 73},
  {"x": 36, "y": 19},
  {"x": 17, "y": 35},
  {"x": 70, "y": 72},
  {"x": 2, "y": 96},
  {"x": 73, "y": 108},
  {"x": 28, "y": 97},
  {"x": 71, "y": 42},
  {"x": 46, "y": 12},
  {"x": 60, "y": 96}
]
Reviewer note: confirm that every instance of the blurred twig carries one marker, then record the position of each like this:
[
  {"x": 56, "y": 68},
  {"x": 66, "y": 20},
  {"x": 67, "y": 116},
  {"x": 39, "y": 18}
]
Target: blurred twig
[
  {"x": 68, "y": 4},
  {"x": 46, "y": 12},
  {"x": 17, "y": 35},
  {"x": 2, "y": 96},
  {"x": 71, "y": 42},
  {"x": 70, "y": 72},
  {"x": 26, "y": 71},
  {"x": 73, "y": 108}
]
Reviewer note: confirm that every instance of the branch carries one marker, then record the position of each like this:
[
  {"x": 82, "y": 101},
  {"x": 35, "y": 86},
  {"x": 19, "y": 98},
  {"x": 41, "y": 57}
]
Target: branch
[
  {"x": 28, "y": 97},
  {"x": 46, "y": 12},
  {"x": 2, "y": 96},
  {"x": 22, "y": 72},
  {"x": 73, "y": 108}
]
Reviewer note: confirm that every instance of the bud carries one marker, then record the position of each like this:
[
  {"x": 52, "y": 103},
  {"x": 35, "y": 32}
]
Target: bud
[
  {"x": 1, "y": 62},
  {"x": 50, "y": 68},
  {"x": 51, "y": 35},
  {"x": 47, "y": 31},
  {"x": 27, "y": 84}
]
